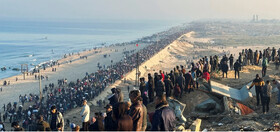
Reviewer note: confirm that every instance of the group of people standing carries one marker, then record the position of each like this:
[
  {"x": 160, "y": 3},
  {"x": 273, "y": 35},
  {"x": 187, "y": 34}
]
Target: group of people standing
[{"x": 70, "y": 95}]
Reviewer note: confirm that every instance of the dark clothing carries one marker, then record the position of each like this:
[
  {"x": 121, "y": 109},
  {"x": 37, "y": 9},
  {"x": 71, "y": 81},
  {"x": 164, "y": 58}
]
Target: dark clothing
[
  {"x": 114, "y": 99},
  {"x": 163, "y": 119},
  {"x": 181, "y": 82},
  {"x": 231, "y": 62},
  {"x": 43, "y": 126},
  {"x": 237, "y": 68},
  {"x": 225, "y": 69},
  {"x": 265, "y": 104},
  {"x": 96, "y": 126},
  {"x": 125, "y": 123},
  {"x": 142, "y": 87},
  {"x": 264, "y": 68},
  {"x": 236, "y": 73},
  {"x": 53, "y": 121},
  {"x": 136, "y": 113},
  {"x": 177, "y": 92},
  {"x": 109, "y": 122},
  {"x": 168, "y": 87},
  {"x": 151, "y": 88},
  {"x": 259, "y": 95},
  {"x": 85, "y": 126},
  {"x": 145, "y": 100},
  {"x": 198, "y": 74},
  {"x": 56, "y": 118},
  {"x": 189, "y": 82},
  {"x": 172, "y": 78},
  {"x": 156, "y": 79},
  {"x": 19, "y": 129},
  {"x": 259, "y": 83},
  {"x": 160, "y": 88}
]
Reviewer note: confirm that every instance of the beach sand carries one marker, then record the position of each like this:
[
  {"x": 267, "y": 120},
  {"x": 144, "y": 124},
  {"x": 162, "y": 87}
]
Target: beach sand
[
  {"x": 76, "y": 70},
  {"x": 177, "y": 53}
]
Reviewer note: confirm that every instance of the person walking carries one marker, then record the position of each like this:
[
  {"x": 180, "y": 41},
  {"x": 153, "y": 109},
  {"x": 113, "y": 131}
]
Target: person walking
[
  {"x": 55, "y": 118},
  {"x": 237, "y": 68},
  {"x": 264, "y": 67},
  {"x": 267, "y": 92},
  {"x": 85, "y": 113},
  {"x": 258, "y": 83}
]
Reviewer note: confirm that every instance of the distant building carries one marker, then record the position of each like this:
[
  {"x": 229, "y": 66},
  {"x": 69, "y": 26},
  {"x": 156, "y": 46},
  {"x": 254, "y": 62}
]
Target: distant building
[{"x": 255, "y": 18}]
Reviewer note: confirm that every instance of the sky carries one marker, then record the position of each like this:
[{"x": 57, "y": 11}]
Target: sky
[{"x": 138, "y": 9}]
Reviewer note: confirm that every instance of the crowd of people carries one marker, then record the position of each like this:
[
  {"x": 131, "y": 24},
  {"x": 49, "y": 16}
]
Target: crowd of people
[
  {"x": 71, "y": 95},
  {"x": 132, "y": 116}
]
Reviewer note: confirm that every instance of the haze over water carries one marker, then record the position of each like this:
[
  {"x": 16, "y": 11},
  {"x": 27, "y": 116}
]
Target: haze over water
[{"x": 25, "y": 42}]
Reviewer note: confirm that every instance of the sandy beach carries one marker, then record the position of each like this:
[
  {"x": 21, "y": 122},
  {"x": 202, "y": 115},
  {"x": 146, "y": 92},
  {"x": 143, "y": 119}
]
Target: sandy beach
[
  {"x": 179, "y": 52},
  {"x": 76, "y": 70}
]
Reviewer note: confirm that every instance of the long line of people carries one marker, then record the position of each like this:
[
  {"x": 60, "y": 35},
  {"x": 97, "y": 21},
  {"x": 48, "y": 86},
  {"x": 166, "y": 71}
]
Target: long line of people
[
  {"x": 126, "y": 116},
  {"x": 70, "y": 95}
]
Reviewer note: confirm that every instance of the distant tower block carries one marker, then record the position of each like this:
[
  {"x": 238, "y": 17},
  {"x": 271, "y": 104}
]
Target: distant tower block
[
  {"x": 254, "y": 18},
  {"x": 257, "y": 18}
]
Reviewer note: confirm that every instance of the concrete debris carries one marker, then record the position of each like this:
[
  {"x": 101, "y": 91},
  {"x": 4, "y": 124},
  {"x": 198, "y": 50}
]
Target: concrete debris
[
  {"x": 209, "y": 106},
  {"x": 178, "y": 108},
  {"x": 234, "y": 107}
]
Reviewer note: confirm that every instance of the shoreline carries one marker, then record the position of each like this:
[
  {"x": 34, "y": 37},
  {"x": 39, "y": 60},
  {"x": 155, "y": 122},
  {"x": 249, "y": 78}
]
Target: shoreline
[
  {"x": 72, "y": 71},
  {"x": 158, "y": 61},
  {"x": 78, "y": 69}
]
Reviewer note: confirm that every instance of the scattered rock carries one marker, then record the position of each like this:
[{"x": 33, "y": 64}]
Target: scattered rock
[{"x": 207, "y": 106}]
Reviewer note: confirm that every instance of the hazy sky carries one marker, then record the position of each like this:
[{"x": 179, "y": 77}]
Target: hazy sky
[{"x": 138, "y": 9}]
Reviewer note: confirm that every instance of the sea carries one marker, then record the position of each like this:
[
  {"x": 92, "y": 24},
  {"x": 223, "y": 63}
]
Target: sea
[{"x": 36, "y": 42}]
